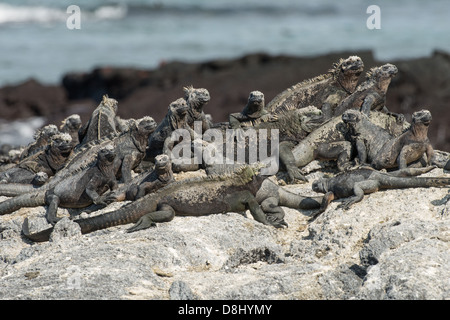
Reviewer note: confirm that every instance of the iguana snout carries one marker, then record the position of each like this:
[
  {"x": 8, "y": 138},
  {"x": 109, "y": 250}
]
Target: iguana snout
[
  {"x": 351, "y": 116},
  {"x": 63, "y": 142},
  {"x": 353, "y": 64},
  {"x": 422, "y": 116}
]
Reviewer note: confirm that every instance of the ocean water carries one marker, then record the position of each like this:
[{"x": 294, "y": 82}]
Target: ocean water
[{"x": 35, "y": 41}]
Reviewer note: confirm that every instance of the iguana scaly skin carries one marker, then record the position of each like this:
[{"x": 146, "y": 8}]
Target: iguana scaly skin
[
  {"x": 42, "y": 138},
  {"x": 78, "y": 191},
  {"x": 328, "y": 142},
  {"x": 382, "y": 150},
  {"x": 174, "y": 119},
  {"x": 355, "y": 183},
  {"x": 129, "y": 147},
  {"x": 324, "y": 92},
  {"x": 196, "y": 99},
  {"x": 188, "y": 197},
  {"x": 48, "y": 161},
  {"x": 252, "y": 114},
  {"x": 145, "y": 182},
  {"x": 72, "y": 125},
  {"x": 371, "y": 94},
  {"x": 102, "y": 122}
]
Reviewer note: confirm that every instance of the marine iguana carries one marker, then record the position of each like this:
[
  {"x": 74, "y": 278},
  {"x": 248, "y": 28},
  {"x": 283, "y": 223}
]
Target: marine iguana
[
  {"x": 328, "y": 142},
  {"x": 355, "y": 183},
  {"x": 324, "y": 92},
  {"x": 129, "y": 147},
  {"x": 77, "y": 191},
  {"x": 42, "y": 137},
  {"x": 174, "y": 119},
  {"x": 253, "y": 110},
  {"x": 196, "y": 99},
  {"x": 144, "y": 183},
  {"x": 189, "y": 197},
  {"x": 380, "y": 149},
  {"x": 102, "y": 122},
  {"x": 371, "y": 94},
  {"x": 71, "y": 125},
  {"x": 49, "y": 161}
]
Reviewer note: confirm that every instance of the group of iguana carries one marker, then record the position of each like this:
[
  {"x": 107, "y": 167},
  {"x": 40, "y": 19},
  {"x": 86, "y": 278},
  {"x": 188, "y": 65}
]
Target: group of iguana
[{"x": 334, "y": 116}]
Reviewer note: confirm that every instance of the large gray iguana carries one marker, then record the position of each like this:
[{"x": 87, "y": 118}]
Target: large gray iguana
[
  {"x": 354, "y": 184},
  {"x": 189, "y": 197},
  {"x": 37, "y": 168},
  {"x": 80, "y": 190},
  {"x": 174, "y": 119},
  {"x": 102, "y": 123},
  {"x": 380, "y": 149},
  {"x": 129, "y": 147},
  {"x": 370, "y": 95},
  {"x": 329, "y": 141},
  {"x": 324, "y": 92},
  {"x": 196, "y": 99}
]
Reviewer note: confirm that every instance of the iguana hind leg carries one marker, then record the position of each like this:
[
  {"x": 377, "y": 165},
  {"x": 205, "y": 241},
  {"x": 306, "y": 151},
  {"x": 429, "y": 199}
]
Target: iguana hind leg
[
  {"x": 165, "y": 213},
  {"x": 274, "y": 213}
]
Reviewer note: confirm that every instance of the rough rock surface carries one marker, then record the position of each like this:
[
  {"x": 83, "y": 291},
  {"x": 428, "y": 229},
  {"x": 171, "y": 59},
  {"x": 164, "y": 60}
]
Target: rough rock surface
[{"x": 393, "y": 245}]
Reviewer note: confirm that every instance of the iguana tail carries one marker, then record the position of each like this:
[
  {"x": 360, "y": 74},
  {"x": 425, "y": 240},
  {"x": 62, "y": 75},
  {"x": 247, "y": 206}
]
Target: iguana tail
[
  {"x": 33, "y": 199},
  {"x": 15, "y": 189},
  {"x": 413, "y": 182},
  {"x": 126, "y": 214}
]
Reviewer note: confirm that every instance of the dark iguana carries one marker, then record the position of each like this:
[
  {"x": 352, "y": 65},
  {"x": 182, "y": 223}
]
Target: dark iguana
[
  {"x": 324, "y": 92},
  {"x": 129, "y": 147},
  {"x": 253, "y": 110},
  {"x": 355, "y": 183},
  {"x": 77, "y": 191},
  {"x": 196, "y": 99},
  {"x": 48, "y": 162},
  {"x": 189, "y": 197},
  {"x": 174, "y": 119},
  {"x": 371, "y": 94},
  {"x": 329, "y": 142},
  {"x": 145, "y": 182},
  {"x": 42, "y": 138},
  {"x": 378, "y": 148},
  {"x": 102, "y": 123},
  {"x": 71, "y": 125}
]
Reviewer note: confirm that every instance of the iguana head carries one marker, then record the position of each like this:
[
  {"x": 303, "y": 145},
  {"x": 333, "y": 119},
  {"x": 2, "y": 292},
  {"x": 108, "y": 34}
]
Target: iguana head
[
  {"x": 255, "y": 105},
  {"x": 109, "y": 103},
  {"x": 62, "y": 143},
  {"x": 320, "y": 186},
  {"x": 196, "y": 98},
  {"x": 347, "y": 72},
  {"x": 106, "y": 155},
  {"x": 381, "y": 76},
  {"x": 146, "y": 125},
  {"x": 178, "y": 108},
  {"x": 423, "y": 117},
  {"x": 72, "y": 122},
  {"x": 310, "y": 118},
  {"x": 46, "y": 132},
  {"x": 351, "y": 116}
]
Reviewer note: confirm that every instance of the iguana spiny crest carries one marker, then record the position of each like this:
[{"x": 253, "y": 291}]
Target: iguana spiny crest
[{"x": 110, "y": 103}]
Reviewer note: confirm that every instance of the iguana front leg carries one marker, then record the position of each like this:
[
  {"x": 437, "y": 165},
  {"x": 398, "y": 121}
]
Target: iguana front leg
[
  {"x": 52, "y": 209},
  {"x": 128, "y": 163},
  {"x": 288, "y": 160},
  {"x": 369, "y": 100},
  {"x": 326, "y": 200},
  {"x": 165, "y": 213},
  {"x": 359, "y": 189}
]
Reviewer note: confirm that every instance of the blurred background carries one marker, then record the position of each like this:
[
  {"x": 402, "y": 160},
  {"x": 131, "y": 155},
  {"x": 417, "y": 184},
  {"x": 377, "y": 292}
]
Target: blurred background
[{"x": 142, "y": 52}]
